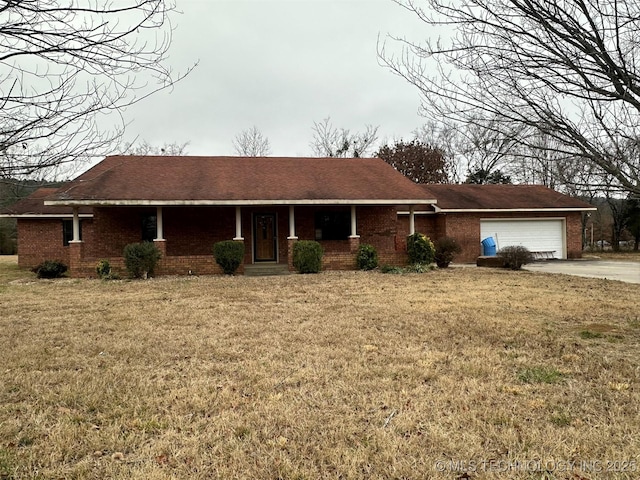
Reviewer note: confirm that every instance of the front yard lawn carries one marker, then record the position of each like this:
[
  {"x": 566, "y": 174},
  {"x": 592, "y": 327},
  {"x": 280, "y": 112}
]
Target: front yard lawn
[{"x": 336, "y": 375}]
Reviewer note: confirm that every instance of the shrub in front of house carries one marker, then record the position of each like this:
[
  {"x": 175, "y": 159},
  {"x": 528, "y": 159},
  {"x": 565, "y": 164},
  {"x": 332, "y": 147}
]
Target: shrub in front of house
[
  {"x": 391, "y": 269},
  {"x": 104, "y": 271},
  {"x": 229, "y": 254},
  {"x": 307, "y": 256},
  {"x": 50, "y": 269},
  {"x": 367, "y": 257},
  {"x": 418, "y": 268},
  {"x": 413, "y": 268},
  {"x": 514, "y": 256},
  {"x": 140, "y": 259},
  {"x": 446, "y": 250},
  {"x": 420, "y": 249}
]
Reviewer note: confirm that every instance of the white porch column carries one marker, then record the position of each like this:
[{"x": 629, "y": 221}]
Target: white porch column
[
  {"x": 292, "y": 224},
  {"x": 412, "y": 220},
  {"x": 159, "y": 224},
  {"x": 76, "y": 224},
  {"x": 238, "y": 225},
  {"x": 354, "y": 233}
]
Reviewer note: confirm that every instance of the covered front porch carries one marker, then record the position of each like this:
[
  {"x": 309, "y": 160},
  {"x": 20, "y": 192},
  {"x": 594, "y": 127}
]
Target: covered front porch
[{"x": 185, "y": 234}]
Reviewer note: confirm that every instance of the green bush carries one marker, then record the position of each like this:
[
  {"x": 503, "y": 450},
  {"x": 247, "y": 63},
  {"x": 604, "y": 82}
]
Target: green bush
[
  {"x": 229, "y": 254},
  {"x": 103, "y": 269},
  {"x": 515, "y": 256},
  {"x": 391, "y": 269},
  {"x": 420, "y": 249},
  {"x": 307, "y": 256},
  {"x": 367, "y": 257},
  {"x": 446, "y": 249},
  {"x": 418, "y": 268},
  {"x": 50, "y": 269},
  {"x": 415, "y": 268},
  {"x": 105, "y": 272},
  {"x": 140, "y": 259}
]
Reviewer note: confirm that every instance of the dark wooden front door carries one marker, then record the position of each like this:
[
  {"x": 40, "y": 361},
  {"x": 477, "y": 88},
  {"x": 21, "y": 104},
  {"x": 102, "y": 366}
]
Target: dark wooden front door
[{"x": 264, "y": 237}]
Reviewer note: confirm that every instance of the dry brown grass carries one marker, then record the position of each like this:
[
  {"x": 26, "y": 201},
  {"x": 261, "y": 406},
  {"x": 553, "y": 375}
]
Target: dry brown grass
[
  {"x": 337, "y": 375},
  {"x": 625, "y": 255}
]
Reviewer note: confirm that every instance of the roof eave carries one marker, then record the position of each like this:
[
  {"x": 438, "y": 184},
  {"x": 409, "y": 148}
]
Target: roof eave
[
  {"x": 512, "y": 210},
  {"x": 170, "y": 203},
  {"x": 44, "y": 215}
]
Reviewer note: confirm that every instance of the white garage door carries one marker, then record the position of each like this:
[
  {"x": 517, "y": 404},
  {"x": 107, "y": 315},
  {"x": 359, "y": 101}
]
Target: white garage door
[{"x": 536, "y": 235}]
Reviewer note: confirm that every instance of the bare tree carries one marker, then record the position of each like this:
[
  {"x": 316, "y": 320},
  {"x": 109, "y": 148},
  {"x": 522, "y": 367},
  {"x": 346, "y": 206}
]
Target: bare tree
[
  {"x": 446, "y": 139},
  {"x": 329, "y": 141},
  {"x": 67, "y": 64},
  {"x": 251, "y": 143},
  {"x": 145, "y": 148},
  {"x": 566, "y": 69}
]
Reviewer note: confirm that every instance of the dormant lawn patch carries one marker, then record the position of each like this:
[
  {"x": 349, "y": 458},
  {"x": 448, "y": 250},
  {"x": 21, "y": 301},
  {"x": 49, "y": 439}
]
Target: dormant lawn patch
[{"x": 336, "y": 375}]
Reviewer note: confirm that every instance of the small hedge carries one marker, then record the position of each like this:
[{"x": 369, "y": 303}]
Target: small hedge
[
  {"x": 105, "y": 272},
  {"x": 229, "y": 254},
  {"x": 103, "y": 269},
  {"x": 446, "y": 250},
  {"x": 415, "y": 268},
  {"x": 420, "y": 249},
  {"x": 307, "y": 256},
  {"x": 50, "y": 269},
  {"x": 515, "y": 256},
  {"x": 367, "y": 258},
  {"x": 140, "y": 259}
]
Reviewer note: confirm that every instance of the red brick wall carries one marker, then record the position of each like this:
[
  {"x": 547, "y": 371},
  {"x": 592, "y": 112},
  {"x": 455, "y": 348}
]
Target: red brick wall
[
  {"x": 465, "y": 228},
  {"x": 194, "y": 230},
  {"x": 574, "y": 235},
  {"x": 114, "y": 228},
  {"x": 41, "y": 239},
  {"x": 376, "y": 225},
  {"x": 425, "y": 224},
  {"x": 190, "y": 233}
]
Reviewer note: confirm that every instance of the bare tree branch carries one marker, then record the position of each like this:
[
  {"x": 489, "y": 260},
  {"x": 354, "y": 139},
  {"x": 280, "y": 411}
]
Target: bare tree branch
[
  {"x": 329, "y": 141},
  {"x": 569, "y": 70},
  {"x": 143, "y": 148},
  {"x": 66, "y": 64},
  {"x": 251, "y": 143}
]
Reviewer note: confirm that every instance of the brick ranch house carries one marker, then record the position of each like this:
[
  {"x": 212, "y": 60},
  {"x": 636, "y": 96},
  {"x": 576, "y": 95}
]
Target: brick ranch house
[{"x": 186, "y": 204}]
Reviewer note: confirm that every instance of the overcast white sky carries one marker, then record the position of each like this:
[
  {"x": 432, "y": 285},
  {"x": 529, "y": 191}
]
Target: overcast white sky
[{"x": 280, "y": 65}]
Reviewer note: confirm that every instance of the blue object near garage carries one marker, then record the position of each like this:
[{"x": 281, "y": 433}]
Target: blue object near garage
[{"x": 489, "y": 247}]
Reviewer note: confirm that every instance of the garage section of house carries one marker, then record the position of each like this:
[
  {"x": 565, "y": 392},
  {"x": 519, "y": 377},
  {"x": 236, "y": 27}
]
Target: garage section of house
[
  {"x": 534, "y": 216},
  {"x": 546, "y": 237}
]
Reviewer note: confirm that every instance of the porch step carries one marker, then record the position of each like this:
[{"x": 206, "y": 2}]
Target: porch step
[{"x": 257, "y": 270}]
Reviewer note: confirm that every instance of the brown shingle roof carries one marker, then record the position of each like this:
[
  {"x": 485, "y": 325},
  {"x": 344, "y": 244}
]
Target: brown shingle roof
[
  {"x": 501, "y": 197},
  {"x": 211, "y": 180},
  {"x": 34, "y": 205}
]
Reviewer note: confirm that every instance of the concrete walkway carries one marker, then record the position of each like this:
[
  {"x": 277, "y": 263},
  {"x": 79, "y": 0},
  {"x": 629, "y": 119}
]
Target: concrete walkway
[{"x": 623, "y": 271}]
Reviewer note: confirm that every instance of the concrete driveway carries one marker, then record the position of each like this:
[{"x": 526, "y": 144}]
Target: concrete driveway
[{"x": 623, "y": 271}]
